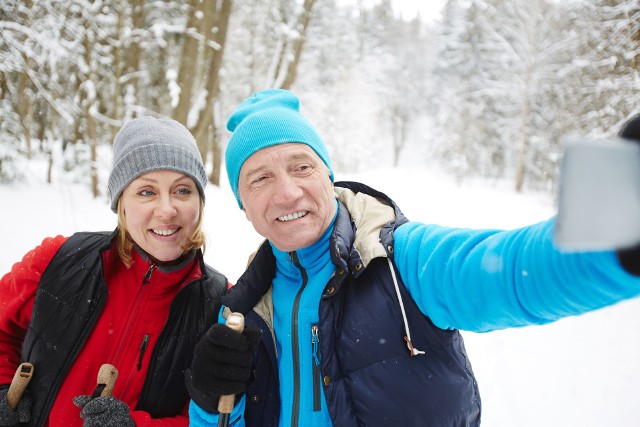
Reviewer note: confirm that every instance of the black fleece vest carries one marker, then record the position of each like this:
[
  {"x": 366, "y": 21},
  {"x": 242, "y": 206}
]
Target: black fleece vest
[{"x": 70, "y": 298}]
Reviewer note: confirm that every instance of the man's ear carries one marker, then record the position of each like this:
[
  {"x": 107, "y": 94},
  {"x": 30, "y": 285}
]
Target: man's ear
[{"x": 246, "y": 214}]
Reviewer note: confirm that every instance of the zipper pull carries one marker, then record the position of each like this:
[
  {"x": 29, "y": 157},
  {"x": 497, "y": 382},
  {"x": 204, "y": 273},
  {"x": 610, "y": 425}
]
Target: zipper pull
[
  {"x": 315, "y": 344},
  {"x": 147, "y": 275},
  {"x": 143, "y": 348}
]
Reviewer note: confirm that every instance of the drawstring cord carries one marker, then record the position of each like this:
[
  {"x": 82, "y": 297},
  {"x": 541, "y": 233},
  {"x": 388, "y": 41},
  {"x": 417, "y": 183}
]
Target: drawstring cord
[{"x": 412, "y": 350}]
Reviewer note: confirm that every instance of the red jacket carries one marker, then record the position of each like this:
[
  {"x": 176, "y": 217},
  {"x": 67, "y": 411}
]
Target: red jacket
[{"x": 124, "y": 335}]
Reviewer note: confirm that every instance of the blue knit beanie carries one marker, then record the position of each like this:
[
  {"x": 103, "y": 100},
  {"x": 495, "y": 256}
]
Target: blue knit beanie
[
  {"x": 268, "y": 118},
  {"x": 148, "y": 144}
]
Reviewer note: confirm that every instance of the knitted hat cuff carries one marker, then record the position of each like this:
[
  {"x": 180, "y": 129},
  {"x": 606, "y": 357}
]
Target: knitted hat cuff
[{"x": 149, "y": 158}]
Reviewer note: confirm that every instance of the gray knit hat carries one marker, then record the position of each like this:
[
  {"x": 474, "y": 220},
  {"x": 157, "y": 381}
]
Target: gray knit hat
[{"x": 148, "y": 144}]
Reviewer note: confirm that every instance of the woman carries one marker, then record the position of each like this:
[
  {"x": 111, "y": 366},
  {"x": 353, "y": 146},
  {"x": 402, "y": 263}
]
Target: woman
[{"x": 138, "y": 298}]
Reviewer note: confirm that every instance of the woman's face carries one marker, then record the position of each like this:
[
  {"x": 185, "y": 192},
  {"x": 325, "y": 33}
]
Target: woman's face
[{"x": 161, "y": 211}]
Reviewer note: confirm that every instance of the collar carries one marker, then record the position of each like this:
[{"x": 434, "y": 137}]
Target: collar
[{"x": 167, "y": 266}]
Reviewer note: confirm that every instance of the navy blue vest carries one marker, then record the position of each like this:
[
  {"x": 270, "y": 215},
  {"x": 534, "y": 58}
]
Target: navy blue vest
[{"x": 369, "y": 378}]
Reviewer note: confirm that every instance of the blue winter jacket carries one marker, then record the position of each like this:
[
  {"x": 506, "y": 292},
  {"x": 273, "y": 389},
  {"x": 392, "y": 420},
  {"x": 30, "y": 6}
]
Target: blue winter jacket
[{"x": 367, "y": 317}]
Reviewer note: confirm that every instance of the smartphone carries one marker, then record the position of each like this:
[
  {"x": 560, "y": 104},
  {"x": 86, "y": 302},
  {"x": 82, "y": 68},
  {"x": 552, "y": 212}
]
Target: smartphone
[{"x": 599, "y": 195}]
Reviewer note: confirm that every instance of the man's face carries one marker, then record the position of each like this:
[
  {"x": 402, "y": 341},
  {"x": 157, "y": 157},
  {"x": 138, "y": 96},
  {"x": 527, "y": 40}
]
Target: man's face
[{"x": 287, "y": 195}]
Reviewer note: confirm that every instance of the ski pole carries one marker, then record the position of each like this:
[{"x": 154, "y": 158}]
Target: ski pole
[
  {"x": 19, "y": 384},
  {"x": 107, "y": 376},
  {"x": 225, "y": 405}
]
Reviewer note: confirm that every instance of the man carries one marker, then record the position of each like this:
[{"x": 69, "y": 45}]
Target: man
[{"x": 353, "y": 311}]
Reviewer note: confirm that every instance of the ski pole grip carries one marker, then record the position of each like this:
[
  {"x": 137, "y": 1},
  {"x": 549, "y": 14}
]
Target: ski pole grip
[
  {"x": 236, "y": 322},
  {"x": 107, "y": 376},
  {"x": 19, "y": 384}
]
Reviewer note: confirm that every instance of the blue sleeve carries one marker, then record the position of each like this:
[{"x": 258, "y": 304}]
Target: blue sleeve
[
  {"x": 198, "y": 417},
  {"x": 484, "y": 280}
]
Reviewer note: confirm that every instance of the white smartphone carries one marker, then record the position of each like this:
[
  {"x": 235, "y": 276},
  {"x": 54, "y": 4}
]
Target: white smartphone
[{"x": 599, "y": 198}]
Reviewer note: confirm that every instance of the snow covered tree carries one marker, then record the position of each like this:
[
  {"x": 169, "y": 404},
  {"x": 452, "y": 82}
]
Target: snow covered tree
[{"x": 605, "y": 69}]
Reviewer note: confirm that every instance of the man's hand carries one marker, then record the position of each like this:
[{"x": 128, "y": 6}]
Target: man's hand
[
  {"x": 222, "y": 364},
  {"x": 10, "y": 417},
  {"x": 104, "y": 411}
]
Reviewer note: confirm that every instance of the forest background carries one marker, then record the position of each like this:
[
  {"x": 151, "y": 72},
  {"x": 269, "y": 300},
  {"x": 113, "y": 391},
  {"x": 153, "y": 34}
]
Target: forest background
[
  {"x": 484, "y": 93},
  {"x": 489, "y": 89}
]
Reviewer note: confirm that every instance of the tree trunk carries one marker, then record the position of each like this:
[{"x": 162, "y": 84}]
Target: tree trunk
[
  {"x": 89, "y": 103},
  {"x": 50, "y": 147},
  {"x": 4, "y": 89},
  {"x": 132, "y": 65},
  {"x": 23, "y": 108},
  {"x": 522, "y": 147},
  {"x": 187, "y": 70},
  {"x": 117, "y": 75},
  {"x": 298, "y": 45},
  {"x": 205, "y": 118},
  {"x": 635, "y": 37},
  {"x": 216, "y": 147},
  {"x": 399, "y": 131}
]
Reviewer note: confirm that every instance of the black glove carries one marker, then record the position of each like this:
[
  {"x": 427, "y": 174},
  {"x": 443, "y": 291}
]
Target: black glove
[
  {"x": 104, "y": 411},
  {"x": 222, "y": 365},
  {"x": 10, "y": 417},
  {"x": 630, "y": 258}
]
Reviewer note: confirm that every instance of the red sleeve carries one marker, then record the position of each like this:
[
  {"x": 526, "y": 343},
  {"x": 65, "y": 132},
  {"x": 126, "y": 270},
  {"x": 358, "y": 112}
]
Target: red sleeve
[{"x": 17, "y": 293}]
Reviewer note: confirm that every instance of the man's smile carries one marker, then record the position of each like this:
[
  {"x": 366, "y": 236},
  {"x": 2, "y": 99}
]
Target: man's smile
[{"x": 292, "y": 216}]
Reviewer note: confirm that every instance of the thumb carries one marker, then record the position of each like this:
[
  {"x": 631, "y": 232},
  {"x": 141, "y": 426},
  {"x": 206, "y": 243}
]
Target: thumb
[{"x": 81, "y": 401}]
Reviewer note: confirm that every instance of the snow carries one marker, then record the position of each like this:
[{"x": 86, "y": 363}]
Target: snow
[{"x": 580, "y": 371}]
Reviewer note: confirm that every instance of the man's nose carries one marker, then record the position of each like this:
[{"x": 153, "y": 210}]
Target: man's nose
[{"x": 287, "y": 190}]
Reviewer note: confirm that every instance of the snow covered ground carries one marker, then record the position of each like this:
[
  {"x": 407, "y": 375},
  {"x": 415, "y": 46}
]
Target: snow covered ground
[{"x": 581, "y": 371}]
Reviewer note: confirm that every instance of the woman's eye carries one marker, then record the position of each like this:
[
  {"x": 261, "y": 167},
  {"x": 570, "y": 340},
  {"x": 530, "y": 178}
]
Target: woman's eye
[
  {"x": 185, "y": 191},
  {"x": 146, "y": 193}
]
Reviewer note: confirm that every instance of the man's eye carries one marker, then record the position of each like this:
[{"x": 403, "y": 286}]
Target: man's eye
[{"x": 304, "y": 168}]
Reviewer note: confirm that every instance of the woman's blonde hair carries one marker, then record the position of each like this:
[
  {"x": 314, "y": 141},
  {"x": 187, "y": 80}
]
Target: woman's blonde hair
[{"x": 124, "y": 243}]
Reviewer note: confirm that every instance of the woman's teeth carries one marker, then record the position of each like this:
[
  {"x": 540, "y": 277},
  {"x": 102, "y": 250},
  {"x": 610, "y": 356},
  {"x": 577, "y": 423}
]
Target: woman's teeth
[{"x": 165, "y": 232}]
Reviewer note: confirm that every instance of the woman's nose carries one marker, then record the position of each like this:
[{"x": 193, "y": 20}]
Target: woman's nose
[{"x": 165, "y": 207}]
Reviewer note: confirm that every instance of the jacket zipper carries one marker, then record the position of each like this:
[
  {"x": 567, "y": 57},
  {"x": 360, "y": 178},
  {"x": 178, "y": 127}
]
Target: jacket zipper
[
  {"x": 147, "y": 275},
  {"x": 315, "y": 366},
  {"x": 295, "y": 346},
  {"x": 139, "y": 299},
  {"x": 143, "y": 348}
]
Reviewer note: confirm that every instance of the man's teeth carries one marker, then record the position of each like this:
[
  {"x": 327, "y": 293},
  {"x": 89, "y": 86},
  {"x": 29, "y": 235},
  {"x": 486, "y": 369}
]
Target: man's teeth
[
  {"x": 291, "y": 216},
  {"x": 165, "y": 232}
]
